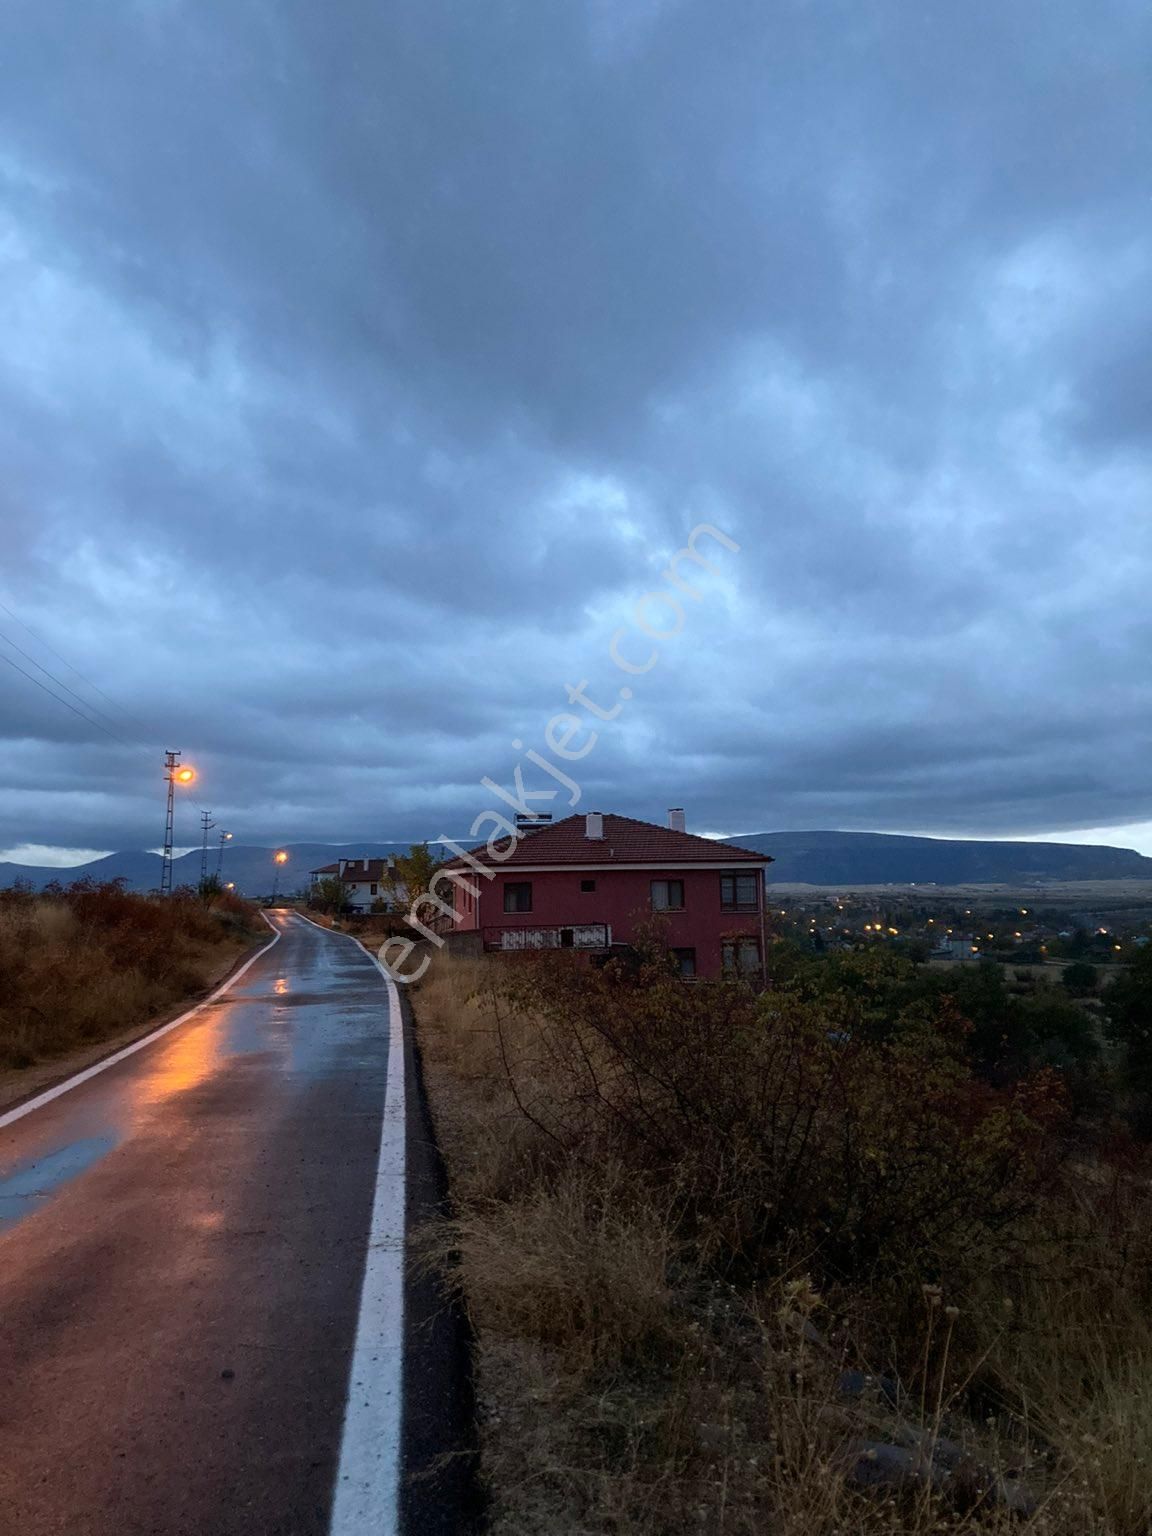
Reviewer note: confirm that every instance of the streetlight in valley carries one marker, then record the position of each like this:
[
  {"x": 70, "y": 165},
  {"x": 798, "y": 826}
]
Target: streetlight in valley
[{"x": 279, "y": 858}]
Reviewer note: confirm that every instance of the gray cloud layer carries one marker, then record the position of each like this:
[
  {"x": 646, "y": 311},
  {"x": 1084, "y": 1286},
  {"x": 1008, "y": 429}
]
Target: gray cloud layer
[{"x": 363, "y": 364}]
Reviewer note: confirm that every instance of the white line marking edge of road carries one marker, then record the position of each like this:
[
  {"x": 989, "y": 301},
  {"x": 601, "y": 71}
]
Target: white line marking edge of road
[
  {"x": 366, "y": 1501},
  {"x": 40, "y": 1099},
  {"x": 367, "y": 1493}
]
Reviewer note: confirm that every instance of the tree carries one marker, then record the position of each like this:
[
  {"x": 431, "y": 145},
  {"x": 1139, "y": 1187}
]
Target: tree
[
  {"x": 1080, "y": 978},
  {"x": 1128, "y": 1007},
  {"x": 328, "y": 895},
  {"x": 413, "y": 873}
]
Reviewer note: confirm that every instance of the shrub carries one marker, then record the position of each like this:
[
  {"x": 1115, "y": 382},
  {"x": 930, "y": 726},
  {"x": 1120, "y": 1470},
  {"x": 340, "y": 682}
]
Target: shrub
[
  {"x": 779, "y": 1131},
  {"x": 1080, "y": 979},
  {"x": 1128, "y": 1008},
  {"x": 80, "y": 962}
]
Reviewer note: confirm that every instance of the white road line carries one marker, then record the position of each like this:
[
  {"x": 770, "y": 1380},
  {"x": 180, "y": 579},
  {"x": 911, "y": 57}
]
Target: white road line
[
  {"x": 367, "y": 1497},
  {"x": 49, "y": 1094}
]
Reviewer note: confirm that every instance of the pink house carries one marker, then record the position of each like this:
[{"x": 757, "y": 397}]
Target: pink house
[{"x": 588, "y": 882}]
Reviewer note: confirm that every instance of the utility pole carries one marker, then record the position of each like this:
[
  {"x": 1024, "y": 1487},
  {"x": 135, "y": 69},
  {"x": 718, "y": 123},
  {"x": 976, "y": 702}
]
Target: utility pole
[
  {"x": 225, "y": 837},
  {"x": 206, "y": 825},
  {"x": 173, "y": 774}
]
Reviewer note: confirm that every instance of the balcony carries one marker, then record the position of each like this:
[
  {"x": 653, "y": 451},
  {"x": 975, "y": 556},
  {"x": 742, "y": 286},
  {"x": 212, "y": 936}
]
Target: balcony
[{"x": 584, "y": 936}]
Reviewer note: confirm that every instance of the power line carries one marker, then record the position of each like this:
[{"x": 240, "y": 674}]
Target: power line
[
  {"x": 87, "y": 704},
  {"x": 97, "y": 713},
  {"x": 97, "y": 716},
  {"x": 27, "y": 628},
  {"x": 87, "y": 718}
]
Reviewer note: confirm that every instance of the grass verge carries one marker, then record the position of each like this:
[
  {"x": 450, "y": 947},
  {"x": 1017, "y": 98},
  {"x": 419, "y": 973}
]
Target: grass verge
[
  {"x": 83, "y": 964},
  {"x": 671, "y": 1338}
]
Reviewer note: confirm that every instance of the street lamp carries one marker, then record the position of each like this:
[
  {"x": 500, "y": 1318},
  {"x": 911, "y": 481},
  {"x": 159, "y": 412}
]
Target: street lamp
[
  {"x": 279, "y": 858},
  {"x": 174, "y": 773},
  {"x": 225, "y": 837}
]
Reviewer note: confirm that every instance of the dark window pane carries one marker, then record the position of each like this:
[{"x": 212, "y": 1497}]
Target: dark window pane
[
  {"x": 740, "y": 892},
  {"x": 685, "y": 961}
]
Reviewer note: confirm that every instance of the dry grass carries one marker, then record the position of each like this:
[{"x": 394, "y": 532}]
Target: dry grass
[
  {"x": 84, "y": 963},
  {"x": 629, "y": 1387}
]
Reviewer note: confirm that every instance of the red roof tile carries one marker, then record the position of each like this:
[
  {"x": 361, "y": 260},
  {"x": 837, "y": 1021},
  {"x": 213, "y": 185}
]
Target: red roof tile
[
  {"x": 625, "y": 841},
  {"x": 356, "y": 871}
]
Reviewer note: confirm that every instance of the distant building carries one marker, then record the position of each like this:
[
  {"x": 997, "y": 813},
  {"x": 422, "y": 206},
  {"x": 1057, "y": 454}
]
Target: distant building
[
  {"x": 364, "y": 880},
  {"x": 956, "y": 949},
  {"x": 590, "y": 882}
]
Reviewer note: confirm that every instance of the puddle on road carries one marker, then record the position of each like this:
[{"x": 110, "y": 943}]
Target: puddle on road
[{"x": 29, "y": 1184}]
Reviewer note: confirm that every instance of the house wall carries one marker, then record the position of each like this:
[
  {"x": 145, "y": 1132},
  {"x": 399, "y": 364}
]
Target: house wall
[{"x": 622, "y": 899}]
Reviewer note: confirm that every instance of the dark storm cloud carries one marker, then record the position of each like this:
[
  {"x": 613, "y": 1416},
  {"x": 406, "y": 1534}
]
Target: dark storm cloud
[{"x": 362, "y": 365}]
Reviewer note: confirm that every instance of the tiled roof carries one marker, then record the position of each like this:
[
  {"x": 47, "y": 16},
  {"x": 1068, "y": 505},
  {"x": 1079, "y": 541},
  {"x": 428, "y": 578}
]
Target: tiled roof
[
  {"x": 625, "y": 841},
  {"x": 356, "y": 870}
]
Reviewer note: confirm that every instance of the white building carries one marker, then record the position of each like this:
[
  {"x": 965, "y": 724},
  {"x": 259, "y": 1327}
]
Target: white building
[{"x": 365, "y": 881}]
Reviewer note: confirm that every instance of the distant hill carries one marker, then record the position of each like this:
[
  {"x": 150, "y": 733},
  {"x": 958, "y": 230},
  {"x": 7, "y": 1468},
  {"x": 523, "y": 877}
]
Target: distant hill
[
  {"x": 810, "y": 858},
  {"x": 251, "y": 868},
  {"x": 882, "y": 858}
]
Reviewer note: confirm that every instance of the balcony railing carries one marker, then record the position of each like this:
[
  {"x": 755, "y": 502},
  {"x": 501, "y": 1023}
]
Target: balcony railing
[{"x": 563, "y": 936}]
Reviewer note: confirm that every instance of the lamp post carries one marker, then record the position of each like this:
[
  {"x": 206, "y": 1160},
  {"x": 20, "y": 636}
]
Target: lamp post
[
  {"x": 279, "y": 858},
  {"x": 174, "y": 773},
  {"x": 206, "y": 825},
  {"x": 225, "y": 837}
]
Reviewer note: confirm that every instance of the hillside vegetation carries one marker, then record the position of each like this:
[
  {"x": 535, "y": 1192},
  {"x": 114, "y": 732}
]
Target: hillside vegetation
[
  {"x": 837, "y": 1259},
  {"x": 84, "y": 962}
]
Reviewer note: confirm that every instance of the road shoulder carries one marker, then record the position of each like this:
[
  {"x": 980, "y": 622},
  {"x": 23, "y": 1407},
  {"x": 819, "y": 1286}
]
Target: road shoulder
[{"x": 19, "y": 1084}]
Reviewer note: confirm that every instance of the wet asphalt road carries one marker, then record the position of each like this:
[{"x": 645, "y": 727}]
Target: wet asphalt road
[{"x": 182, "y": 1241}]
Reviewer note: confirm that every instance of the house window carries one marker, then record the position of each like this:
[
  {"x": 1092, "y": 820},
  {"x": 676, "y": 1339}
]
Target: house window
[
  {"x": 587, "y": 885},
  {"x": 741, "y": 957},
  {"x": 685, "y": 961},
  {"x": 740, "y": 893},
  {"x": 375, "y": 889},
  {"x": 518, "y": 896},
  {"x": 667, "y": 895}
]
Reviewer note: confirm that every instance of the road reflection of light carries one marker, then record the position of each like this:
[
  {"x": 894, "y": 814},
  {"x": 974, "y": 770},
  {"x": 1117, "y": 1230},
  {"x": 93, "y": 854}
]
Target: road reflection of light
[
  {"x": 187, "y": 1060},
  {"x": 280, "y": 986}
]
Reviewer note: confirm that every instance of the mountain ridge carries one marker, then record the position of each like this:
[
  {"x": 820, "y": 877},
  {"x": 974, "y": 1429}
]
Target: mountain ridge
[
  {"x": 250, "y": 867},
  {"x": 882, "y": 858},
  {"x": 809, "y": 858}
]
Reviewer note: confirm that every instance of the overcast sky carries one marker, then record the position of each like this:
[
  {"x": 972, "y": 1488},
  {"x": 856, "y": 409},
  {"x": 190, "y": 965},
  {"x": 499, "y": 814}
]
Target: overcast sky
[{"x": 361, "y": 365}]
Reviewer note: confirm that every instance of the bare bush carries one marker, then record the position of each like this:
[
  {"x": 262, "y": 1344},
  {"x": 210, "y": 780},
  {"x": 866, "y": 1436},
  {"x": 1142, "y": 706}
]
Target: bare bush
[{"x": 82, "y": 962}]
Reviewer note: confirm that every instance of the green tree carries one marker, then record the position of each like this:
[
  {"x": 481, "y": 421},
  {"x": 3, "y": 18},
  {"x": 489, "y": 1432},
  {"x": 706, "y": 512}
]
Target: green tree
[
  {"x": 1128, "y": 1008},
  {"x": 1080, "y": 979},
  {"x": 413, "y": 872},
  {"x": 328, "y": 895}
]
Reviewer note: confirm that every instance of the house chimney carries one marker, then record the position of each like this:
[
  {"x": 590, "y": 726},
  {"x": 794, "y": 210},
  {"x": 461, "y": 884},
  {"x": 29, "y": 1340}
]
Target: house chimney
[
  {"x": 676, "y": 818},
  {"x": 594, "y": 825},
  {"x": 343, "y": 863}
]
